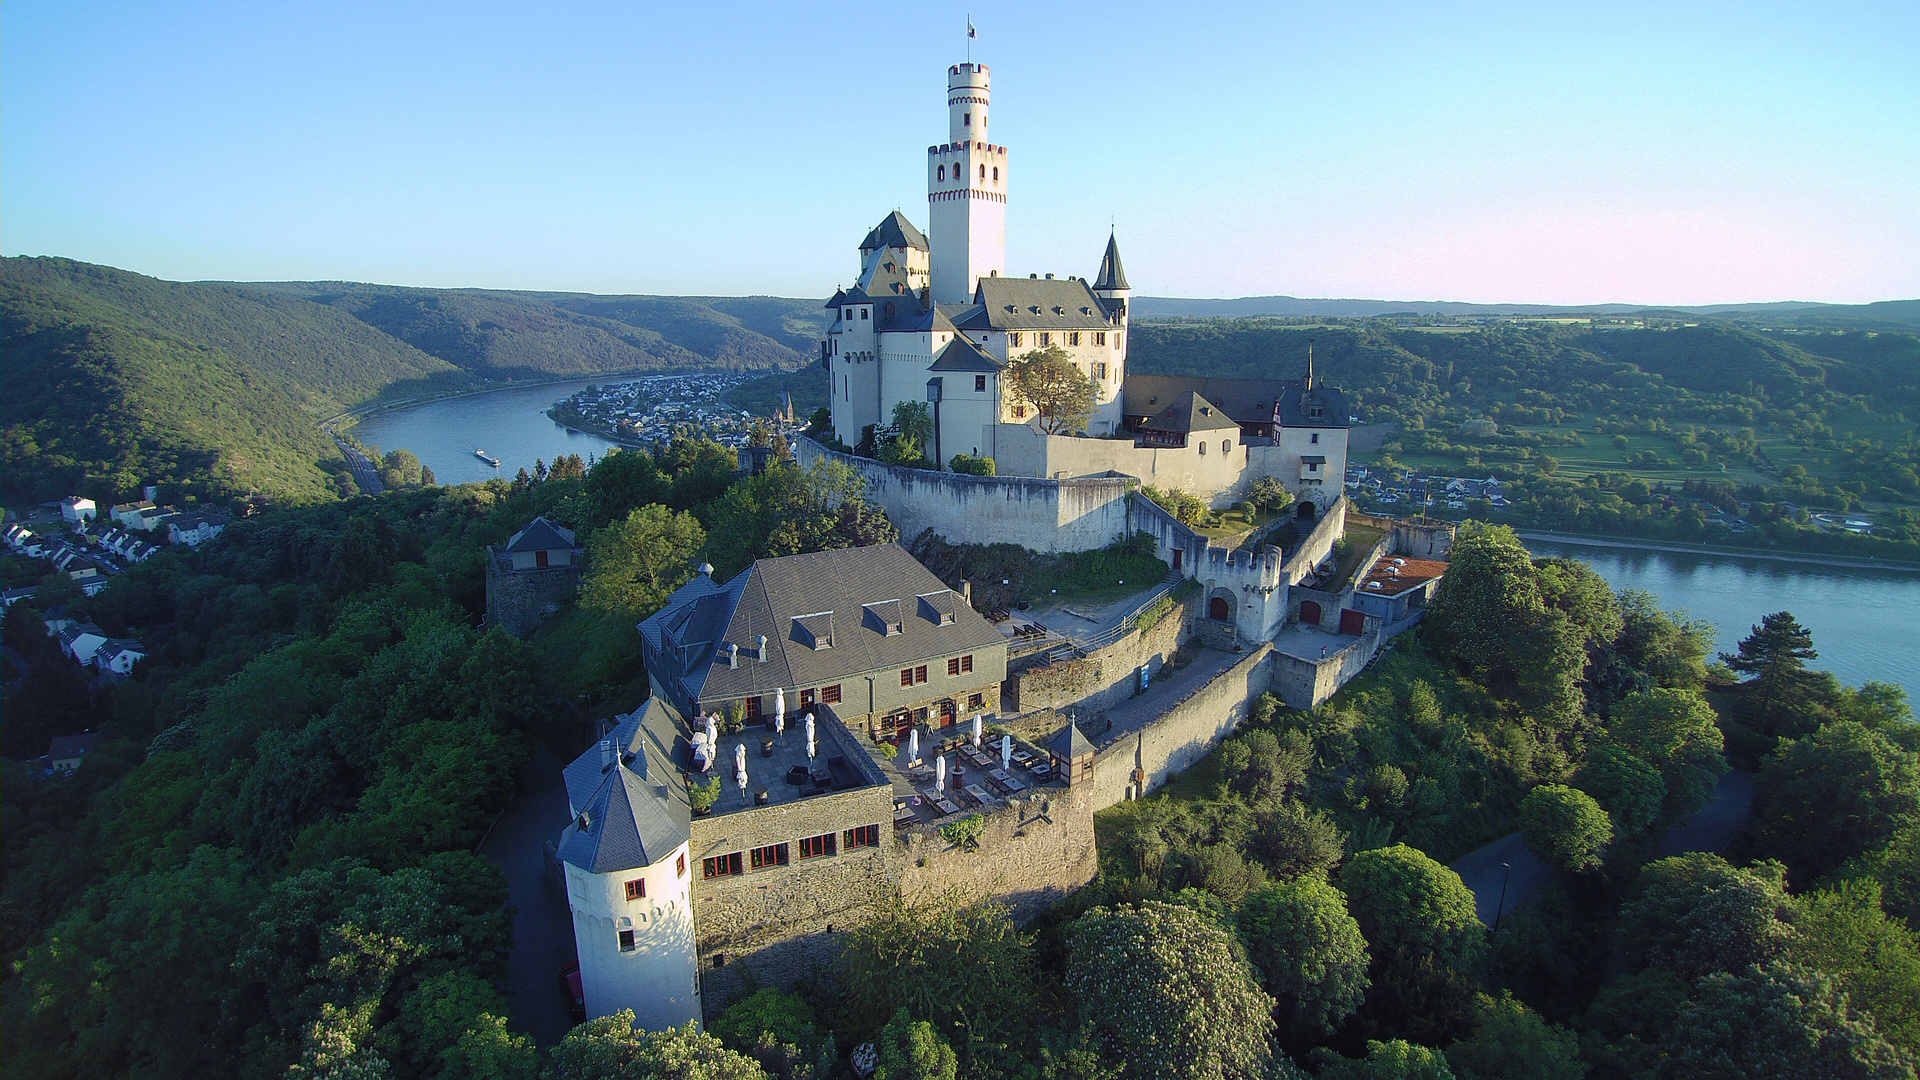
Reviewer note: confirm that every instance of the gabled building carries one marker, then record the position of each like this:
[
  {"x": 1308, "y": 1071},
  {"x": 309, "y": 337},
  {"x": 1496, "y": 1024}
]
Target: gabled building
[
  {"x": 196, "y": 528},
  {"x": 78, "y": 508},
  {"x": 81, "y": 641},
  {"x": 866, "y": 630},
  {"x": 133, "y": 514},
  {"x": 118, "y": 656},
  {"x": 65, "y": 753},
  {"x": 532, "y": 576}
]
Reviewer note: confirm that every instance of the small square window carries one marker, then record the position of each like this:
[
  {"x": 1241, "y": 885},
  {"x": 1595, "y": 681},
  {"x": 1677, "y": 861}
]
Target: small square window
[
  {"x": 1019, "y": 412},
  {"x": 920, "y": 674},
  {"x": 1073, "y": 338},
  {"x": 806, "y": 698},
  {"x": 831, "y": 694},
  {"x": 979, "y": 384},
  {"x": 863, "y": 314},
  {"x": 1013, "y": 340},
  {"x": 975, "y": 701},
  {"x": 1315, "y": 437},
  {"x": 953, "y": 667},
  {"x": 680, "y": 865},
  {"x": 637, "y": 889},
  {"x": 1099, "y": 337},
  {"x": 966, "y": 663},
  {"x": 772, "y": 855},
  {"x": 906, "y": 676},
  {"x": 1046, "y": 339},
  {"x": 626, "y": 941}
]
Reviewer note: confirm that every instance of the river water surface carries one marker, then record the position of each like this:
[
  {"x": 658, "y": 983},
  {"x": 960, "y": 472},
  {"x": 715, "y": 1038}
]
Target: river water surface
[{"x": 1865, "y": 622}]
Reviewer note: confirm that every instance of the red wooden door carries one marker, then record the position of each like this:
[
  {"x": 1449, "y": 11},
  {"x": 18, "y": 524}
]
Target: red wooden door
[
  {"x": 1310, "y": 612},
  {"x": 1352, "y": 622}
]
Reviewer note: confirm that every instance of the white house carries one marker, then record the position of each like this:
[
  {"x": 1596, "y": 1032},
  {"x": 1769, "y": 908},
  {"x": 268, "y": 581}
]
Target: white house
[
  {"x": 81, "y": 641},
  {"x": 629, "y": 887},
  {"x": 195, "y": 529},
  {"x": 134, "y": 514},
  {"x": 66, "y": 752},
  {"x": 118, "y": 656},
  {"x": 76, "y": 509}
]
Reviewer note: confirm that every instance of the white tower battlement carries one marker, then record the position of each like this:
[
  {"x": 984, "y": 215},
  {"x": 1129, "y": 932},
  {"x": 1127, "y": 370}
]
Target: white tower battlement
[{"x": 966, "y": 191}]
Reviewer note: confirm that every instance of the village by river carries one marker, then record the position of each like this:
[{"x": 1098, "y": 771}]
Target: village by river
[{"x": 1865, "y": 620}]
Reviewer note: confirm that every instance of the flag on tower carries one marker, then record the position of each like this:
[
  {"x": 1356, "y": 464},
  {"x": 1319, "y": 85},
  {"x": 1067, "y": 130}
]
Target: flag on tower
[{"x": 970, "y": 32}]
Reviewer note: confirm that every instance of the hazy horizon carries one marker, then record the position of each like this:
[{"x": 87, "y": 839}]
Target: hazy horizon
[{"x": 1724, "y": 154}]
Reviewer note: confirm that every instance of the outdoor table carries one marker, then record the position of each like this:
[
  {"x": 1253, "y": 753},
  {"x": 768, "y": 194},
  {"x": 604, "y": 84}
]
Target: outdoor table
[
  {"x": 946, "y": 806},
  {"x": 1040, "y": 769},
  {"x": 1001, "y": 775},
  {"x": 903, "y": 815},
  {"x": 979, "y": 793},
  {"x": 1013, "y": 784}
]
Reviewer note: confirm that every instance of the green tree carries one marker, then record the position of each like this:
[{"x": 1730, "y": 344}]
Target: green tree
[
  {"x": 790, "y": 511},
  {"x": 1675, "y": 731},
  {"x": 1049, "y": 380},
  {"x": 610, "y": 1049},
  {"x": 1408, "y": 904},
  {"x": 1170, "y": 991},
  {"x": 962, "y": 966},
  {"x": 1896, "y": 867},
  {"x": 1777, "y": 1021},
  {"x": 1565, "y": 827},
  {"x": 1631, "y": 791},
  {"x": 913, "y": 435},
  {"x": 1696, "y": 913},
  {"x": 1667, "y": 647},
  {"x": 1510, "y": 1040},
  {"x": 1835, "y": 794},
  {"x": 909, "y": 1049},
  {"x": 1874, "y": 959},
  {"x": 633, "y": 565},
  {"x": 622, "y": 482},
  {"x": 1309, "y": 953},
  {"x": 1269, "y": 494},
  {"x": 1782, "y": 692},
  {"x": 1490, "y": 615},
  {"x": 1395, "y": 1059}
]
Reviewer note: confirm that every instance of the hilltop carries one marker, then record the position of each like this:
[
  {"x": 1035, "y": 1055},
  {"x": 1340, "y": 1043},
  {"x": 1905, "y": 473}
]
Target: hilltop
[{"x": 115, "y": 379}]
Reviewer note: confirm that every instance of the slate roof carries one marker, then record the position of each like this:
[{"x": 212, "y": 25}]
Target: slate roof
[
  {"x": 1002, "y": 303},
  {"x": 1112, "y": 275},
  {"x": 1248, "y": 401},
  {"x": 540, "y": 535},
  {"x": 633, "y": 812},
  {"x": 702, "y": 618},
  {"x": 1071, "y": 743},
  {"x": 1188, "y": 414},
  {"x": 1296, "y": 405},
  {"x": 64, "y": 746},
  {"x": 961, "y": 354},
  {"x": 894, "y": 231}
]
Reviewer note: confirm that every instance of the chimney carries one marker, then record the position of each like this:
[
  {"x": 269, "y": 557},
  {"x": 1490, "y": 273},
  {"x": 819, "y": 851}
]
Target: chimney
[
  {"x": 733, "y": 655},
  {"x": 966, "y": 592},
  {"x": 606, "y": 754},
  {"x": 760, "y": 648}
]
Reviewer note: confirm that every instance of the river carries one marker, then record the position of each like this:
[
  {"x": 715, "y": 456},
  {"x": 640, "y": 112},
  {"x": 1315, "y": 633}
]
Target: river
[
  {"x": 511, "y": 425},
  {"x": 1865, "y": 622}
]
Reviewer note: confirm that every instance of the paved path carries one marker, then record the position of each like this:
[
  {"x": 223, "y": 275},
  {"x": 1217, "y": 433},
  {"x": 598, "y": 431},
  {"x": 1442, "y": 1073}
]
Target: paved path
[
  {"x": 1711, "y": 828},
  {"x": 542, "y": 926},
  {"x": 1169, "y": 689}
]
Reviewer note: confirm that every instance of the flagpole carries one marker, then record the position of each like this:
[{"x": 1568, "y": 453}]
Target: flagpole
[{"x": 969, "y": 37}]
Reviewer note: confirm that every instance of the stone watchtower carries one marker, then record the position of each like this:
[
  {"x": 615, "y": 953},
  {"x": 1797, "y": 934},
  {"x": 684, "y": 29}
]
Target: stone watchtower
[
  {"x": 1071, "y": 755},
  {"x": 532, "y": 576},
  {"x": 966, "y": 192}
]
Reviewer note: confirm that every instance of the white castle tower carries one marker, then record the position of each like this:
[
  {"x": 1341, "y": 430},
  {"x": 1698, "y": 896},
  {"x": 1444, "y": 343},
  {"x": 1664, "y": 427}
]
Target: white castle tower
[{"x": 966, "y": 191}]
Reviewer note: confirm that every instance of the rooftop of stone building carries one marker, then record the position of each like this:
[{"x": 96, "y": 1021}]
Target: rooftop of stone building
[
  {"x": 1396, "y": 574},
  {"x": 777, "y": 765}
]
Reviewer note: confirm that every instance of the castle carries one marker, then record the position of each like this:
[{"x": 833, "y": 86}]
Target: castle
[
  {"x": 818, "y": 730},
  {"x": 937, "y": 320}
]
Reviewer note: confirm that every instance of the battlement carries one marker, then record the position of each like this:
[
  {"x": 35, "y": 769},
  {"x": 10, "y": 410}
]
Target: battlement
[
  {"x": 957, "y": 71},
  {"x": 961, "y": 148}
]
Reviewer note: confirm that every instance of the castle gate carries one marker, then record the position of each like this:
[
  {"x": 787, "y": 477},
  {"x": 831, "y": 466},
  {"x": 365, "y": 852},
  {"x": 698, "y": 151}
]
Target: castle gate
[{"x": 1310, "y": 613}]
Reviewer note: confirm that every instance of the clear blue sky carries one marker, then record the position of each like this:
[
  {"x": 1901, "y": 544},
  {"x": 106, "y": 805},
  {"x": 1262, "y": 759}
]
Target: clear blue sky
[{"x": 1659, "y": 153}]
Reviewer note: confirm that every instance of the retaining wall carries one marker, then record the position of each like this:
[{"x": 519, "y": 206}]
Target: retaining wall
[
  {"x": 1079, "y": 514},
  {"x": 1106, "y": 677},
  {"x": 1032, "y": 853},
  {"x": 1184, "y": 734}
]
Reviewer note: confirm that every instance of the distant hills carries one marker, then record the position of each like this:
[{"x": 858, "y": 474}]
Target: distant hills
[
  {"x": 1886, "y": 315},
  {"x": 114, "y": 379}
]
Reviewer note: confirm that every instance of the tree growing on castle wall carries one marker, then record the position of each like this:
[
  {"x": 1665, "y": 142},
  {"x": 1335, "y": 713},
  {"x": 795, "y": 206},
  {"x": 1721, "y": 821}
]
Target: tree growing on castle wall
[
  {"x": 1054, "y": 385},
  {"x": 912, "y": 437}
]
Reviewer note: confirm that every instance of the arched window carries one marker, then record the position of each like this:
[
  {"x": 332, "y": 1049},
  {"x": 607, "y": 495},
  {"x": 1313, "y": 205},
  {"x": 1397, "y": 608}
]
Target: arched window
[
  {"x": 1226, "y": 446},
  {"x": 983, "y": 172},
  {"x": 996, "y": 174},
  {"x": 1203, "y": 449},
  {"x": 940, "y": 173}
]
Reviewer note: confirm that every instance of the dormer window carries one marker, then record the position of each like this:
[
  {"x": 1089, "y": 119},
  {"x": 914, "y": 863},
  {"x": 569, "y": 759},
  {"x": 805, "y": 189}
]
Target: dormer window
[{"x": 884, "y": 617}]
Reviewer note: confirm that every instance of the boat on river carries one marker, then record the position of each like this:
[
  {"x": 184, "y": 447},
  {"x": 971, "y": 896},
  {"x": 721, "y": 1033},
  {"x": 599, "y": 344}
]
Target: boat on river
[{"x": 488, "y": 458}]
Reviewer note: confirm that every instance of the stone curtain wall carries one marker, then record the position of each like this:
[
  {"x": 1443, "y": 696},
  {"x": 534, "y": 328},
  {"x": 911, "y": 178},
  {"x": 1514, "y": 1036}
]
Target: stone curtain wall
[
  {"x": 1033, "y": 852},
  {"x": 1319, "y": 543},
  {"x": 1106, "y": 677},
  {"x": 1216, "y": 476},
  {"x": 775, "y": 921},
  {"x": 1304, "y": 683},
  {"x": 1042, "y": 515},
  {"x": 1183, "y": 734}
]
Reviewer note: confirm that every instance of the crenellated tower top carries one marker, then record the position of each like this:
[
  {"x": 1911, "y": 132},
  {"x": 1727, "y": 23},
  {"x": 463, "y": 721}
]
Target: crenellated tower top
[{"x": 968, "y": 94}]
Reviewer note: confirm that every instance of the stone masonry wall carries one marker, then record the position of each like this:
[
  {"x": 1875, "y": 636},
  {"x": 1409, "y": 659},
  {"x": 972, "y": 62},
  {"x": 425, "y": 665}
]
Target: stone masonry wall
[
  {"x": 1184, "y": 734},
  {"x": 1305, "y": 683},
  {"x": 520, "y": 600},
  {"x": 1032, "y": 853},
  {"x": 1043, "y": 515},
  {"x": 776, "y": 921},
  {"x": 1105, "y": 677}
]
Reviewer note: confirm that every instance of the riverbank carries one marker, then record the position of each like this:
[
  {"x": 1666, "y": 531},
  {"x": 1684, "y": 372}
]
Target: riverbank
[
  {"x": 379, "y": 406},
  {"x": 574, "y": 424},
  {"x": 1807, "y": 558}
]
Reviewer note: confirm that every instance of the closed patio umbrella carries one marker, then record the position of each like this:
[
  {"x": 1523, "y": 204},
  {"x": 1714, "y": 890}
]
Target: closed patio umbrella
[
  {"x": 740, "y": 766},
  {"x": 810, "y": 750},
  {"x": 940, "y": 774},
  {"x": 1006, "y": 751},
  {"x": 780, "y": 708},
  {"x": 976, "y": 731}
]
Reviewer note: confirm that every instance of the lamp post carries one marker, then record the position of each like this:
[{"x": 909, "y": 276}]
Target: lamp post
[{"x": 1506, "y": 871}]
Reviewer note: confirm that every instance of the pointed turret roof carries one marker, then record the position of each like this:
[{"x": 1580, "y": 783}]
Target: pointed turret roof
[
  {"x": 1071, "y": 743},
  {"x": 894, "y": 231},
  {"x": 1112, "y": 275}
]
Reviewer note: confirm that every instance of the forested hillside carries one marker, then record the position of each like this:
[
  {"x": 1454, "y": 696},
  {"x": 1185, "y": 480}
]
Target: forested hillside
[{"x": 115, "y": 379}]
